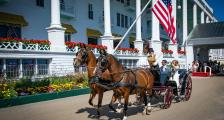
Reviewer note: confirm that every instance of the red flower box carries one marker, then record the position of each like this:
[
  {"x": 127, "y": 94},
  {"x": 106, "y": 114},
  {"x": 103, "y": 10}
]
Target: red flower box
[
  {"x": 74, "y": 44},
  {"x": 43, "y": 42},
  {"x": 181, "y": 52},
  {"x": 167, "y": 51},
  {"x": 135, "y": 50}
]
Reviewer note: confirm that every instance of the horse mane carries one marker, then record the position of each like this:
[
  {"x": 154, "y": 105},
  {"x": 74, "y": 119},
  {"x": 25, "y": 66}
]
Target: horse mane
[{"x": 116, "y": 61}]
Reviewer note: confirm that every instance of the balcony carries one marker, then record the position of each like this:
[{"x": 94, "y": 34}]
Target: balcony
[{"x": 68, "y": 12}]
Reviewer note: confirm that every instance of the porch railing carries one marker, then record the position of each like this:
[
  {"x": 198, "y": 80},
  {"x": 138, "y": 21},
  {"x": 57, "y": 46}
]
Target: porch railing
[{"x": 23, "y": 46}]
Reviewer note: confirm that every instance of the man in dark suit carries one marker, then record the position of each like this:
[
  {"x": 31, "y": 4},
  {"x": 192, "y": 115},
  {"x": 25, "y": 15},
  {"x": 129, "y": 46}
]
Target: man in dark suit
[{"x": 165, "y": 72}]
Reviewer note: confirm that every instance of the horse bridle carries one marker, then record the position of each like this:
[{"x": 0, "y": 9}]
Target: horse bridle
[
  {"x": 103, "y": 62},
  {"x": 84, "y": 56}
]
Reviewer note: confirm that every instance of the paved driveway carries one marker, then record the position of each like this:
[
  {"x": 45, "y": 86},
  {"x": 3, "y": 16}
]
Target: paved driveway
[{"x": 206, "y": 103}]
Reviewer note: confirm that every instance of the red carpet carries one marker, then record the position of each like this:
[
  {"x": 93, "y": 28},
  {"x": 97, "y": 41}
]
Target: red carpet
[{"x": 201, "y": 74}]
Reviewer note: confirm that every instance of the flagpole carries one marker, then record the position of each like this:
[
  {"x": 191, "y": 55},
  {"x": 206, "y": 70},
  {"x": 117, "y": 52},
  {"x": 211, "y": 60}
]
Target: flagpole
[{"x": 126, "y": 33}]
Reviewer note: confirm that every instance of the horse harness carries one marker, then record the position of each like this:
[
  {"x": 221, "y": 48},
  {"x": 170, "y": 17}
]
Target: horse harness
[{"x": 109, "y": 85}]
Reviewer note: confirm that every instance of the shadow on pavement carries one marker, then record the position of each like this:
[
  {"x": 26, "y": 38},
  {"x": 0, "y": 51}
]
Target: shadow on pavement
[{"x": 111, "y": 115}]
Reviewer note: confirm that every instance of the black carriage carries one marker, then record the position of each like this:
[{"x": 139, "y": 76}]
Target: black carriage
[{"x": 169, "y": 90}]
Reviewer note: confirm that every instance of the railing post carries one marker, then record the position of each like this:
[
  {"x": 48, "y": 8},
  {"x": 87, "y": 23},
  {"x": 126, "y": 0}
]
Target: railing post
[
  {"x": 35, "y": 68},
  {"x": 20, "y": 45},
  {"x": 20, "y": 68},
  {"x": 36, "y": 46},
  {"x": 4, "y": 69}
]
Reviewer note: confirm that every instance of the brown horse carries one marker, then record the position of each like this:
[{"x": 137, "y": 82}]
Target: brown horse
[
  {"x": 86, "y": 57},
  {"x": 125, "y": 81}
]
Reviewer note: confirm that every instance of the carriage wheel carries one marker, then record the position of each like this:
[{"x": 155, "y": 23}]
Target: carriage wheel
[
  {"x": 188, "y": 88},
  {"x": 168, "y": 97}
]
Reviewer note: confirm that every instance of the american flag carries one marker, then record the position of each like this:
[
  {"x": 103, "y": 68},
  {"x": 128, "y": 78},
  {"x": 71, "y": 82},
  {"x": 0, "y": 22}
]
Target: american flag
[{"x": 163, "y": 11}]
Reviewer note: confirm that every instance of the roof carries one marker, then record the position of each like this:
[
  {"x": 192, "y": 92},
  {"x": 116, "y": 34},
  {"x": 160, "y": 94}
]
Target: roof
[{"x": 210, "y": 30}]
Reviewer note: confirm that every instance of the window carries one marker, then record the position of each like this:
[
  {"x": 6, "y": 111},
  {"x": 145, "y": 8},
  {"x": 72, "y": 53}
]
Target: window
[
  {"x": 12, "y": 68},
  {"x": 42, "y": 66},
  {"x": 118, "y": 19},
  {"x": 92, "y": 41},
  {"x": 122, "y": 1},
  {"x": 116, "y": 43},
  {"x": 10, "y": 30},
  {"x": 122, "y": 20},
  {"x": 28, "y": 67},
  {"x": 67, "y": 37},
  {"x": 62, "y": 4},
  {"x": 128, "y": 2},
  {"x": 130, "y": 21},
  {"x": 40, "y": 3},
  {"x": 126, "y": 21},
  {"x": 90, "y": 11}
]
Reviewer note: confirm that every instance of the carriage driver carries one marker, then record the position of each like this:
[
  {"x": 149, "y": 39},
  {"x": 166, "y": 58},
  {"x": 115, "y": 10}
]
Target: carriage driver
[{"x": 152, "y": 59}]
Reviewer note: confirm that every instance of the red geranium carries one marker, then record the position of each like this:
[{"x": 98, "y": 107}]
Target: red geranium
[
  {"x": 129, "y": 49},
  {"x": 25, "y": 41},
  {"x": 181, "y": 52},
  {"x": 167, "y": 51}
]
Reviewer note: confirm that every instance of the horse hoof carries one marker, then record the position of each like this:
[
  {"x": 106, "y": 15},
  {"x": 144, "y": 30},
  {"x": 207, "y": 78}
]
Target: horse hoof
[
  {"x": 90, "y": 103},
  {"x": 95, "y": 106},
  {"x": 119, "y": 110},
  {"x": 125, "y": 118}
]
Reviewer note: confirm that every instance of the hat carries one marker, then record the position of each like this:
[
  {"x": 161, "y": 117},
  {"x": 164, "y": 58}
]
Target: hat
[
  {"x": 164, "y": 61},
  {"x": 151, "y": 50}
]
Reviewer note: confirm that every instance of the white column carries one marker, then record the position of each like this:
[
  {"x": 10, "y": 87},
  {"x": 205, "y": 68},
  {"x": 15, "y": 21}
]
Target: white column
[
  {"x": 202, "y": 17},
  {"x": 155, "y": 40},
  {"x": 138, "y": 22},
  {"x": 155, "y": 26},
  {"x": 138, "y": 41},
  {"x": 194, "y": 15},
  {"x": 35, "y": 68},
  {"x": 190, "y": 55},
  {"x": 56, "y": 31},
  {"x": 4, "y": 68},
  {"x": 184, "y": 20},
  {"x": 107, "y": 38},
  {"x": 20, "y": 68},
  {"x": 107, "y": 21},
  {"x": 207, "y": 19}
]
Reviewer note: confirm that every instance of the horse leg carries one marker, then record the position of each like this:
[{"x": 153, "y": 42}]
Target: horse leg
[
  {"x": 119, "y": 102},
  {"x": 92, "y": 96},
  {"x": 113, "y": 100},
  {"x": 147, "y": 105},
  {"x": 100, "y": 98},
  {"x": 126, "y": 98}
]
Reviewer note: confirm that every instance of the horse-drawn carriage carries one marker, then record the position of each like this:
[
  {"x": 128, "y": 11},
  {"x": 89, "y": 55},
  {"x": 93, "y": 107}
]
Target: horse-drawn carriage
[
  {"x": 171, "y": 89},
  {"x": 123, "y": 82}
]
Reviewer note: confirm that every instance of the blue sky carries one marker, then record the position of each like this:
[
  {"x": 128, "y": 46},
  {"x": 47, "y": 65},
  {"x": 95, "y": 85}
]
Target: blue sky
[{"x": 218, "y": 8}]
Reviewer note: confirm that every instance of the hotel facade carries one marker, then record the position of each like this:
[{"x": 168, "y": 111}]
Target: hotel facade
[{"x": 99, "y": 22}]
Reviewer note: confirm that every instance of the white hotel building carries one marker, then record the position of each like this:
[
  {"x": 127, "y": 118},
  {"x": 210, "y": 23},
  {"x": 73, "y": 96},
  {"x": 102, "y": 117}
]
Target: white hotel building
[{"x": 92, "y": 22}]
